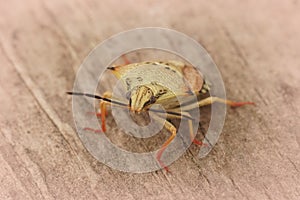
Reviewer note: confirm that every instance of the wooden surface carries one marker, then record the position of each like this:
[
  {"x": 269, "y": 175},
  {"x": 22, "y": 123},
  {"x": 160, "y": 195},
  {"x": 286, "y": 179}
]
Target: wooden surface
[{"x": 256, "y": 46}]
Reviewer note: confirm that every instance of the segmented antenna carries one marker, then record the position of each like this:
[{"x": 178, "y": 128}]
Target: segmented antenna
[
  {"x": 97, "y": 97},
  {"x": 125, "y": 105}
]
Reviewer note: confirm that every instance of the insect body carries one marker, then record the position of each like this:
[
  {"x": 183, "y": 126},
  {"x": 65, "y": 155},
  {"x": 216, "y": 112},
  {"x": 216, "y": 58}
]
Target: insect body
[{"x": 149, "y": 83}]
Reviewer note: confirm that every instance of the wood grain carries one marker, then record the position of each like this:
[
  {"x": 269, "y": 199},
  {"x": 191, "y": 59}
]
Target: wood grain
[{"x": 256, "y": 46}]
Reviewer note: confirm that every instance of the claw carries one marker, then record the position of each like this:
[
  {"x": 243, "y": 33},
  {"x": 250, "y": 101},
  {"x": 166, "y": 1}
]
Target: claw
[
  {"x": 238, "y": 104},
  {"x": 163, "y": 166},
  {"x": 159, "y": 154},
  {"x": 197, "y": 142}
]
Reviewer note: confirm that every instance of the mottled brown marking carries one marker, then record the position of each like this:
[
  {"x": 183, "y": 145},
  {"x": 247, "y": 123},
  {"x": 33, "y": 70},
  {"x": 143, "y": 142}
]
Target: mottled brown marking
[{"x": 193, "y": 77}]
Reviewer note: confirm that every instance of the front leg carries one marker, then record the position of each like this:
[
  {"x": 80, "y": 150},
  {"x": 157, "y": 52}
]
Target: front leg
[
  {"x": 103, "y": 109},
  {"x": 186, "y": 116},
  {"x": 171, "y": 128}
]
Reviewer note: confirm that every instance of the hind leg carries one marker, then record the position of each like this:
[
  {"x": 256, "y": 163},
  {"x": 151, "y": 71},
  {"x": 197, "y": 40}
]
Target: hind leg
[{"x": 211, "y": 100}]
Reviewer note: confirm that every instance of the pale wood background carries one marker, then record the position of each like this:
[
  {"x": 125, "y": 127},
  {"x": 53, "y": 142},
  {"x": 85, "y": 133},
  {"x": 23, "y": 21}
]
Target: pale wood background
[{"x": 256, "y": 45}]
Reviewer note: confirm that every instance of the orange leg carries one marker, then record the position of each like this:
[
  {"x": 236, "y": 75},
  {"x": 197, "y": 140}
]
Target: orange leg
[
  {"x": 98, "y": 114},
  {"x": 210, "y": 100},
  {"x": 192, "y": 136},
  {"x": 190, "y": 123},
  {"x": 103, "y": 110},
  {"x": 125, "y": 59},
  {"x": 93, "y": 130},
  {"x": 197, "y": 142},
  {"x": 238, "y": 104},
  {"x": 102, "y": 114},
  {"x": 173, "y": 132},
  {"x": 103, "y": 117}
]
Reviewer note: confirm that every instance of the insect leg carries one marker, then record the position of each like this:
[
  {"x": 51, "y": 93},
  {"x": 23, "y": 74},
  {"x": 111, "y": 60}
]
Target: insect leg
[
  {"x": 177, "y": 114},
  {"x": 93, "y": 130},
  {"x": 98, "y": 114},
  {"x": 192, "y": 135},
  {"x": 125, "y": 59},
  {"x": 171, "y": 128},
  {"x": 103, "y": 110},
  {"x": 210, "y": 100},
  {"x": 104, "y": 101}
]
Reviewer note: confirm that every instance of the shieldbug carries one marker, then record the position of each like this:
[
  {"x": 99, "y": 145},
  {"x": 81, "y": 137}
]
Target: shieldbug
[{"x": 143, "y": 89}]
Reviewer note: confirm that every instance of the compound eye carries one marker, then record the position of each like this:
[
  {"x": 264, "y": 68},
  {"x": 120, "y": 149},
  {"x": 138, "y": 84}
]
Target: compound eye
[{"x": 152, "y": 99}]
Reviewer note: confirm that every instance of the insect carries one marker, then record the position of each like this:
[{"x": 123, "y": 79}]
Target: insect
[{"x": 159, "y": 82}]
